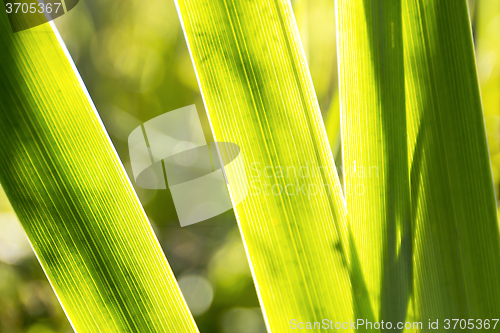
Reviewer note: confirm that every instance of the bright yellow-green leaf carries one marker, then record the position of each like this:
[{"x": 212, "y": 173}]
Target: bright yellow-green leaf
[
  {"x": 73, "y": 197},
  {"x": 371, "y": 80},
  {"x": 258, "y": 93},
  {"x": 425, "y": 228}
]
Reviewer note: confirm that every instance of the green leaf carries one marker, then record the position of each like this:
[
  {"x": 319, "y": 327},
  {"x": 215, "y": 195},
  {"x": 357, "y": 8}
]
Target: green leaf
[
  {"x": 456, "y": 230},
  {"x": 371, "y": 80},
  {"x": 425, "y": 229},
  {"x": 259, "y": 95},
  {"x": 73, "y": 197}
]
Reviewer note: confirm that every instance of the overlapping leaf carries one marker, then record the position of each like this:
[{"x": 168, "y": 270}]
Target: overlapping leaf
[
  {"x": 438, "y": 253},
  {"x": 371, "y": 80},
  {"x": 457, "y": 241},
  {"x": 259, "y": 95},
  {"x": 73, "y": 198}
]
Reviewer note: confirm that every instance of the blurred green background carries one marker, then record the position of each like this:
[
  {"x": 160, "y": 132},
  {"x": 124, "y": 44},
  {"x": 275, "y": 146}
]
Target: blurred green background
[{"x": 134, "y": 61}]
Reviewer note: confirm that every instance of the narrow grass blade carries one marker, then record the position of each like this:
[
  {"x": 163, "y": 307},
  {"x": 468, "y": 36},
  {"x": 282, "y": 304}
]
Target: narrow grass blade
[
  {"x": 457, "y": 242},
  {"x": 258, "y": 93},
  {"x": 73, "y": 198},
  {"x": 371, "y": 81}
]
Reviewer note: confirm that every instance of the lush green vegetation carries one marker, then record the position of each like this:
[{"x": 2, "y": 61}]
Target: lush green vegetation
[{"x": 408, "y": 231}]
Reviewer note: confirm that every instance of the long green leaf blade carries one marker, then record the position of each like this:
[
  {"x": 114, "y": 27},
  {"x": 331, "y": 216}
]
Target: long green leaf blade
[
  {"x": 73, "y": 198},
  {"x": 258, "y": 93},
  {"x": 457, "y": 241},
  {"x": 371, "y": 80}
]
